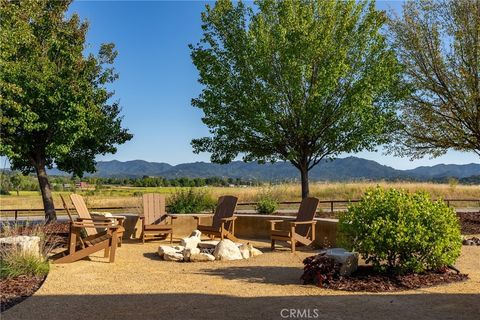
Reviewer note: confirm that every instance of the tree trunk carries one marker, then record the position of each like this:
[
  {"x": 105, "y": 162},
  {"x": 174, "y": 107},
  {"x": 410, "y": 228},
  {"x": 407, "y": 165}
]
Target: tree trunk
[
  {"x": 48, "y": 205},
  {"x": 304, "y": 178}
]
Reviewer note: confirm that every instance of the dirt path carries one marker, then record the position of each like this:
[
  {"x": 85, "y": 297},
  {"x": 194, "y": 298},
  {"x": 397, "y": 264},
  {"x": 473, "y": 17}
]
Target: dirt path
[{"x": 140, "y": 286}]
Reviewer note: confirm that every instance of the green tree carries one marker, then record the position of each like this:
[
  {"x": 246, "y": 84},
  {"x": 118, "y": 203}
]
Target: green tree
[
  {"x": 55, "y": 108},
  {"x": 438, "y": 42},
  {"x": 16, "y": 180},
  {"x": 295, "y": 81}
]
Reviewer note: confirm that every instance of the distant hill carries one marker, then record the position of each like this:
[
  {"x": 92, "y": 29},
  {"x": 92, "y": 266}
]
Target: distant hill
[{"x": 342, "y": 169}]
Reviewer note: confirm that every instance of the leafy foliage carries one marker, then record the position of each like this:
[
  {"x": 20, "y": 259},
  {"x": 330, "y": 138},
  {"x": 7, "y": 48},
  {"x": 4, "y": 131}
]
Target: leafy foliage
[
  {"x": 320, "y": 270},
  {"x": 438, "y": 42},
  {"x": 402, "y": 232},
  {"x": 266, "y": 202},
  {"x": 190, "y": 201},
  {"x": 55, "y": 107},
  {"x": 266, "y": 206},
  {"x": 294, "y": 80}
]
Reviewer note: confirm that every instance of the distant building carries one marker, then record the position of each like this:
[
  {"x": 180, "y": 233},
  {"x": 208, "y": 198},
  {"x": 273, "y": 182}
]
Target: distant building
[{"x": 81, "y": 184}]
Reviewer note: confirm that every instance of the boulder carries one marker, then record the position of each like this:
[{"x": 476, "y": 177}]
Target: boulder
[
  {"x": 192, "y": 241},
  {"x": 188, "y": 252},
  {"x": 173, "y": 256},
  {"x": 201, "y": 257},
  {"x": 245, "y": 250},
  {"x": 29, "y": 245},
  {"x": 349, "y": 260},
  {"x": 195, "y": 233},
  {"x": 227, "y": 250},
  {"x": 167, "y": 249}
]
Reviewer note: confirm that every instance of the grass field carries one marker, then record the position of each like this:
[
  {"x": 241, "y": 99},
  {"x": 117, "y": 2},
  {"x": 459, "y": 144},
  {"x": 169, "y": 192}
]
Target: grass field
[{"x": 130, "y": 196}]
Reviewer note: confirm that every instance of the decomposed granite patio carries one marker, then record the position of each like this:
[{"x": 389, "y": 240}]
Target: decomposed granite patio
[{"x": 141, "y": 286}]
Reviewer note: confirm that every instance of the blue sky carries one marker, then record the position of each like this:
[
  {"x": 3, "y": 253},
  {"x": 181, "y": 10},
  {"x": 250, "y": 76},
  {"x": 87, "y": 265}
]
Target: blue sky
[{"x": 157, "y": 79}]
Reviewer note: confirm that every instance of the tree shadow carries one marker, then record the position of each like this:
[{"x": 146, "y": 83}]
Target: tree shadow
[
  {"x": 210, "y": 306},
  {"x": 257, "y": 274}
]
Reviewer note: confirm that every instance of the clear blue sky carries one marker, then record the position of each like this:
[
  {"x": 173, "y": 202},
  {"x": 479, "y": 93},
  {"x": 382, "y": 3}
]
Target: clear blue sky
[{"x": 157, "y": 79}]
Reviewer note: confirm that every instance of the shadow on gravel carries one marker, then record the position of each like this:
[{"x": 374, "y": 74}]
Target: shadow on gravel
[{"x": 208, "y": 306}]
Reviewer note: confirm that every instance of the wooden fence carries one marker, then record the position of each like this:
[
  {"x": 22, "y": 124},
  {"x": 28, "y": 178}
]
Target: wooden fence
[{"x": 331, "y": 206}]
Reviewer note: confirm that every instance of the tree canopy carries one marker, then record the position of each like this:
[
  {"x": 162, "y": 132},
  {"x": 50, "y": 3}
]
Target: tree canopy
[
  {"x": 55, "y": 107},
  {"x": 294, "y": 81},
  {"x": 438, "y": 42}
]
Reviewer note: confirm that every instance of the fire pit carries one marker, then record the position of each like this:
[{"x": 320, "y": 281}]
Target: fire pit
[{"x": 192, "y": 249}]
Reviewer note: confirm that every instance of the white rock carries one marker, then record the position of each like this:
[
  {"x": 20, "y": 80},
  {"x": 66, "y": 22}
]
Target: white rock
[
  {"x": 175, "y": 256},
  {"x": 165, "y": 249},
  {"x": 200, "y": 257},
  {"x": 245, "y": 250},
  {"x": 190, "y": 242},
  {"x": 25, "y": 244},
  {"x": 187, "y": 253},
  {"x": 227, "y": 250},
  {"x": 255, "y": 252},
  {"x": 179, "y": 248},
  {"x": 195, "y": 234},
  {"x": 349, "y": 260}
]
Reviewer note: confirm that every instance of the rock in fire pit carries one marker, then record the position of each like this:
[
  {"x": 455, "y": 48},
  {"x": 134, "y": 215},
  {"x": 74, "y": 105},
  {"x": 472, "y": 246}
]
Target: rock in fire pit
[{"x": 192, "y": 249}]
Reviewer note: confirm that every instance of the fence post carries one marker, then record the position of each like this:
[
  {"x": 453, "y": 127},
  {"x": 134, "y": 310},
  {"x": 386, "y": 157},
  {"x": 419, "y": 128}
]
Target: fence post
[
  {"x": 448, "y": 203},
  {"x": 16, "y": 215},
  {"x": 331, "y": 206}
]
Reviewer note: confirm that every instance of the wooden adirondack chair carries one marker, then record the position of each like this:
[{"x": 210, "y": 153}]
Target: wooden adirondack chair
[
  {"x": 154, "y": 218},
  {"x": 106, "y": 240},
  {"x": 223, "y": 224},
  {"x": 84, "y": 214},
  {"x": 302, "y": 230}
]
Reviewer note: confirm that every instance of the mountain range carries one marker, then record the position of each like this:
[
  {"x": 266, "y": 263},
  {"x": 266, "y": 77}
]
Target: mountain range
[{"x": 342, "y": 169}]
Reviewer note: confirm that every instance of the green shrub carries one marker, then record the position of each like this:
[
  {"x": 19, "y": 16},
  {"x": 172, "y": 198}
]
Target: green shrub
[
  {"x": 266, "y": 202},
  {"x": 190, "y": 201},
  {"x": 16, "y": 264},
  {"x": 266, "y": 206},
  {"x": 402, "y": 232}
]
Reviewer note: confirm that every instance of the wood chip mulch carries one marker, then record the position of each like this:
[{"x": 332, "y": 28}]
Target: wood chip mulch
[
  {"x": 367, "y": 280},
  {"x": 469, "y": 222},
  {"x": 15, "y": 290}
]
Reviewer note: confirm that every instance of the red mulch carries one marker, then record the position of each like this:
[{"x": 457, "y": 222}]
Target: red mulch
[
  {"x": 366, "y": 279},
  {"x": 15, "y": 290},
  {"x": 470, "y": 222}
]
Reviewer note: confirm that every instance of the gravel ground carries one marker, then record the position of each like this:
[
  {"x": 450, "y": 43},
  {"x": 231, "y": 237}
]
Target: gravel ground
[{"x": 141, "y": 286}]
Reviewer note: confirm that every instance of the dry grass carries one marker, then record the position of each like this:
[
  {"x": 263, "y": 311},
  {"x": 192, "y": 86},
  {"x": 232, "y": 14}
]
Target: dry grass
[{"x": 130, "y": 197}]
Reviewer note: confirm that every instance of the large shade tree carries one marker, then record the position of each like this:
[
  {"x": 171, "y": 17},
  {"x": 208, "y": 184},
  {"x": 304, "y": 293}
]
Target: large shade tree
[
  {"x": 55, "y": 107},
  {"x": 438, "y": 42},
  {"x": 295, "y": 81}
]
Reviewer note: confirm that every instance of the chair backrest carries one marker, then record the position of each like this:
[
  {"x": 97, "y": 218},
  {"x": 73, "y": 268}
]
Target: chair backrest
[
  {"x": 154, "y": 208},
  {"x": 82, "y": 211},
  {"x": 306, "y": 212},
  {"x": 225, "y": 209},
  {"x": 65, "y": 206}
]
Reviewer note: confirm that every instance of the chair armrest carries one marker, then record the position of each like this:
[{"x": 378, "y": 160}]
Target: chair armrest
[
  {"x": 94, "y": 220},
  {"x": 94, "y": 224},
  {"x": 295, "y": 223},
  {"x": 229, "y": 219},
  {"x": 275, "y": 221},
  {"x": 119, "y": 219}
]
